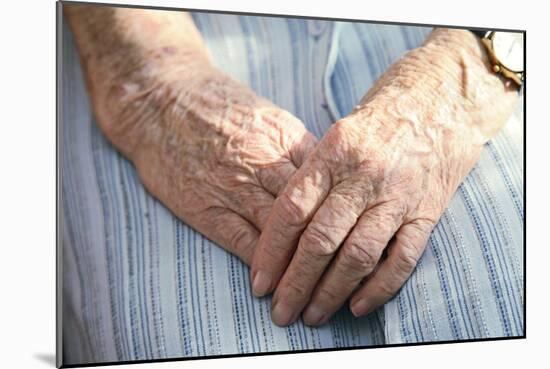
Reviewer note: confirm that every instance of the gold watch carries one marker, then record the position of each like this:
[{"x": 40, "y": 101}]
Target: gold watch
[{"x": 505, "y": 50}]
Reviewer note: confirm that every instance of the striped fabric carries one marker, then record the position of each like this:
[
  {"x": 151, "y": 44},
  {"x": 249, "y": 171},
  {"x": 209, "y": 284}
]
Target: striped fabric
[{"x": 140, "y": 284}]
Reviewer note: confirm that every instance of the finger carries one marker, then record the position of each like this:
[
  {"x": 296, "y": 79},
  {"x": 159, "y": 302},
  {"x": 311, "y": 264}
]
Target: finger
[
  {"x": 355, "y": 260},
  {"x": 405, "y": 250},
  {"x": 290, "y": 214},
  {"x": 275, "y": 177},
  {"x": 317, "y": 246},
  {"x": 302, "y": 148},
  {"x": 298, "y": 141},
  {"x": 253, "y": 203},
  {"x": 229, "y": 230}
]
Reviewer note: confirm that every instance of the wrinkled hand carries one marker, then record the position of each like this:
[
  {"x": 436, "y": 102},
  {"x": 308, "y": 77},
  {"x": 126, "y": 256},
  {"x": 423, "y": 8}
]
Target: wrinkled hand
[
  {"x": 205, "y": 145},
  {"x": 358, "y": 213},
  {"x": 209, "y": 149}
]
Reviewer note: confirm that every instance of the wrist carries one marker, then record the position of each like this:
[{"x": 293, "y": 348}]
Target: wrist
[
  {"x": 486, "y": 98},
  {"x": 446, "y": 83}
]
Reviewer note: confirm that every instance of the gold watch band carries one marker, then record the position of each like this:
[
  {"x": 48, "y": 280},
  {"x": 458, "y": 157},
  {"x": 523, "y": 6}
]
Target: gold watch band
[{"x": 498, "y": 67}]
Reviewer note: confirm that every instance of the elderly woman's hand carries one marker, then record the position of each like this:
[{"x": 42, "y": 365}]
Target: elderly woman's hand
[
  {"x": 205, "y": 145},
  {"x": 357, "y": 215},
  {"x": 215, "y": 154}
]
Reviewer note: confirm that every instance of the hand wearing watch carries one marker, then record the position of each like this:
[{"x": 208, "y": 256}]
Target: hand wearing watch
[{"x": 505, "y": 51}]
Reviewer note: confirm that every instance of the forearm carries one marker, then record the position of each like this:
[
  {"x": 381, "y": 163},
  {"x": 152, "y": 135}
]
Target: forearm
[
  {"x": 127, "y": 43},
  {"x": 130, "y": 60},
  {"x": 145, "y": 69},
  {"x": 152, "y": 86},
  {"x": 444, "y": 83}
]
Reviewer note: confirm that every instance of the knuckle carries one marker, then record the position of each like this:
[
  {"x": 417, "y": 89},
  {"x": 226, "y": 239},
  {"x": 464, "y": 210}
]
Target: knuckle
[
  {"x": 378, "y": 233},
  {"x": 291, "y": 211},
  {"x": 317, "y": 242},
  {"x": 241, "y": 240},
  {"x": 341, "y": 127},
  {"x": 273, "y": 178},
  {"x": 385, "y": 288},
  {"x": 349, "y": 202},
  {"x": 301, "y": 148},
  {"x": 411, "y": 244},
  {"x": 270, "y": 252},
  {"x": 423, "y": 227},
  {"x": 358, "y": 257},
  {"x": 407, "y": 258},
  {"x": 327, "y": 295},
  {"x": 292, "y": 291}
]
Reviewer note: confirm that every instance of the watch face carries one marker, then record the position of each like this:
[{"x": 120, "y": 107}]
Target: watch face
[{"x": 508, "y": 48}]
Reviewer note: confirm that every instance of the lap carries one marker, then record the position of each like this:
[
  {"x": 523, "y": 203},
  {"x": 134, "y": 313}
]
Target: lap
[{"x": 140, "y": 284}]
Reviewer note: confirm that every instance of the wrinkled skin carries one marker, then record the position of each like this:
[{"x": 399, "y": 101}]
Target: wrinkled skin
[
  {"x": 205, "y": 145},
  {"x": 220, "y": 159},
  {"x": 213, "y": 152},
  {"x": 356, "y": 217},
  {"x": 350, "y": 220}
]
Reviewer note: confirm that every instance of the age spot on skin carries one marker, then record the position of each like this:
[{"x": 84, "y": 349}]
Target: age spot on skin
[{"x": 170, "y": 50}]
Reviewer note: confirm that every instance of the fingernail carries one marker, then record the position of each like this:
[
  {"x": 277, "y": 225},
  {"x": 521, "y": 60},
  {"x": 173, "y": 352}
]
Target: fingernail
[
  {"x": 360, "y": 308},
  {"x": 314, "y": 315},
  {"x": 261, "y": 283},
  {"x": 282, "y": 315}
]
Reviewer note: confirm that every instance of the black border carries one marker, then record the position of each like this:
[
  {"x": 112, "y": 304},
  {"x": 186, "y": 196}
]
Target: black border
[
  {"x": 312, "y": 351},
  {"x": 271, "y": 15},
  {"x": 58, "y": 249},
  {"x": 58, "y": 70}
]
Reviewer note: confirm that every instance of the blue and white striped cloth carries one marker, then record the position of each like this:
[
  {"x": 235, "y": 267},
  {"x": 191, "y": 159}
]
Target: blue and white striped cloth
[{"x": 140, "y": 284}]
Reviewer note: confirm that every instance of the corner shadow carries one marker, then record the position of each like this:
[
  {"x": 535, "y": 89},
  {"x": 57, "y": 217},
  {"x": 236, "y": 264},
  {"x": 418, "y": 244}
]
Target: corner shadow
[{"x": 46, "y": 358}]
